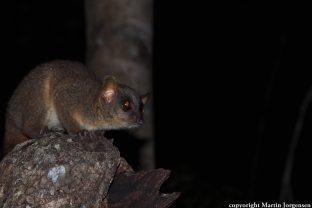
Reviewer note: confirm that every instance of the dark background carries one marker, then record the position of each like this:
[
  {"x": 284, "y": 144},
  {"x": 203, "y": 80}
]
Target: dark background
[{"x": 229, "y": 80}]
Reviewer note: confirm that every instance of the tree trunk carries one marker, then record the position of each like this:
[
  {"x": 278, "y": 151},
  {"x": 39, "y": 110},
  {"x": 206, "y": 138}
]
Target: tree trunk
[
  {"x": 119, "y": 43},
  {"x": 78, "y": 170}
]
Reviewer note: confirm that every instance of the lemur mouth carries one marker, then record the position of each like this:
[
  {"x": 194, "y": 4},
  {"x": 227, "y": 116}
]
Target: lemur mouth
[
  {"x": 132, "y": 126},
  {"x": 135, "y": 124},
  {"x": 139, "y": 122}
]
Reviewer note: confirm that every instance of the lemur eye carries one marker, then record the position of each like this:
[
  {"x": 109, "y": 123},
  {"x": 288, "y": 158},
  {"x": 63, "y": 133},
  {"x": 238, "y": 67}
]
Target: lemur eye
[{"x": 125, "y": 105}]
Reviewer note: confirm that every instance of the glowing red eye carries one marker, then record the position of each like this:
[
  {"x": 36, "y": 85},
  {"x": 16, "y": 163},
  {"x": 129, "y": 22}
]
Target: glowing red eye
[{"x": 126, "y": 105}]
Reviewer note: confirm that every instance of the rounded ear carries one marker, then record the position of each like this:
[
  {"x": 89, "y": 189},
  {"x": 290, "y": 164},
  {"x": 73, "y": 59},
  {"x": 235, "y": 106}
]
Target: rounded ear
[
  {"x": 109, "y": 88},
  {"x": 145, "y": 98}
]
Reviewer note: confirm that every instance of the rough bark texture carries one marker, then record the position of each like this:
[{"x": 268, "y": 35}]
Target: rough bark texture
[
  {"x": 59, "y": 170},
  {"x": 119, "y": 43},
  {"x": 140, "y": 190}
]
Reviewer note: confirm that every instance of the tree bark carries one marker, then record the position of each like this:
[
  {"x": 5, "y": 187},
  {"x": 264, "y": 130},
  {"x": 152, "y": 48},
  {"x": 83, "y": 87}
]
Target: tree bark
[
  {"x": 82, "y": 170},
  {"x": 119, "y": 43}
]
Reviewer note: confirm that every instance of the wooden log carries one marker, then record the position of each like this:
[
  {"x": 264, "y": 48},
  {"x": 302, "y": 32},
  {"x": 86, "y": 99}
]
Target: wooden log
[{"x": 76, "y": 170}]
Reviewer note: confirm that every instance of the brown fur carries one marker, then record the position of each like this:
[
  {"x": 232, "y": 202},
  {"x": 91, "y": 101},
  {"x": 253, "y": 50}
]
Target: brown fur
[{"x": 63, "y": 94}]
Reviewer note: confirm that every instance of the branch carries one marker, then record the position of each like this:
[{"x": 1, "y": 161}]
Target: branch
[
  {"x": 58, "y": 170},
  {"x": 286, "y": 189}
]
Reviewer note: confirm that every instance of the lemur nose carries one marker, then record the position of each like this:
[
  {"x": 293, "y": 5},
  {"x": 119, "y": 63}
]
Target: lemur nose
[{"x": 139, "y": 121}]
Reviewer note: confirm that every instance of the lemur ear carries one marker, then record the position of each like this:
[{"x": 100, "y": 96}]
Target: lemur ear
[
  {"x": 145, "y": 98},
  {"x": 109, "y": 88}
]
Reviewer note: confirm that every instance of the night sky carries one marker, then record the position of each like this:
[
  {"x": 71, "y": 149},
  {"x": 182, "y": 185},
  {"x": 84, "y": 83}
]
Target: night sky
[{"x": 229, "y": 81}]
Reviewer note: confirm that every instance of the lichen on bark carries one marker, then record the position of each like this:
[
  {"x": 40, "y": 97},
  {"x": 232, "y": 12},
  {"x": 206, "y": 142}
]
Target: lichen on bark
[{"x": 77, "y": 170}]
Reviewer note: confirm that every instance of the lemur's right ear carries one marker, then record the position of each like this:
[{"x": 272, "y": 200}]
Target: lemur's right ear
[
  {"x": 109, "y": 88},
  {"x": 145, "y": 98}
]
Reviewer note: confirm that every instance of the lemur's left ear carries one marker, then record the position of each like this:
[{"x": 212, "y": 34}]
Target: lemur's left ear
[
  {"x": 145, "y": 98},
  {"x": 109, "y": 88}
]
